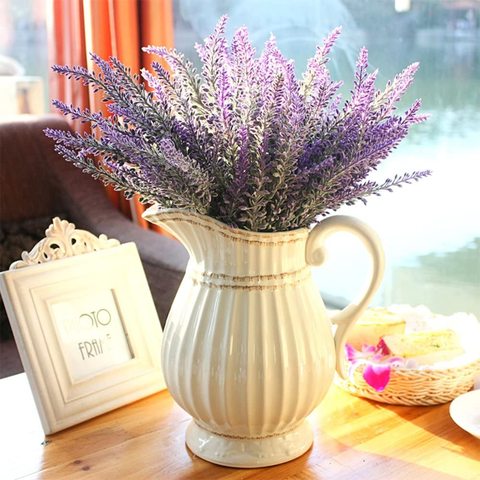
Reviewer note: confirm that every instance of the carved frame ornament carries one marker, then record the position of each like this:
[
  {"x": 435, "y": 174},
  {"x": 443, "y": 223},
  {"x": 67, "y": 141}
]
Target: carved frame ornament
[{"x": 63, "y": 240}]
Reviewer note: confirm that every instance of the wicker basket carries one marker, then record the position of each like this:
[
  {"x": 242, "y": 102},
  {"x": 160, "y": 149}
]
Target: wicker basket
[{"x": 416, "y": 387}]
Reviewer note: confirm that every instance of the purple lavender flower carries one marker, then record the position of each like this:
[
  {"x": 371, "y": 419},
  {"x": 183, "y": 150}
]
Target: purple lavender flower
[{"x": 244, "y": 140}]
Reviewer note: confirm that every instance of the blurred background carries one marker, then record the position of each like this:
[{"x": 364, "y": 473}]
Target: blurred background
[{"x": 430, "y": 230}]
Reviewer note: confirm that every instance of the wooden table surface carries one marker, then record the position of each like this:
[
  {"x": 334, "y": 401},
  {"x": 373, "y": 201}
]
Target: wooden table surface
[{"x": 354, "y": 439}]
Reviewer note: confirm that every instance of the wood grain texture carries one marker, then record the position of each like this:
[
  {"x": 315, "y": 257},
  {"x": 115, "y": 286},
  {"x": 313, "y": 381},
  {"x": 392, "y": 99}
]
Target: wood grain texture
[{"x": 354, "y": 439}]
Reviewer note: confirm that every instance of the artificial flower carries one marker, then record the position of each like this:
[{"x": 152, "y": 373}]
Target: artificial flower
[
  {"x": 244, "y": 140},
  {"x": 377, "y": 363}
]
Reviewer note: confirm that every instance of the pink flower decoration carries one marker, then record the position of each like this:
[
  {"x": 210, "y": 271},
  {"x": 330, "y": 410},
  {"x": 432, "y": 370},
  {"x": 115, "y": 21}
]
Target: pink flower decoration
[
  {"x": 377, "y": 376},
  {"x": 378, "y": 363}
]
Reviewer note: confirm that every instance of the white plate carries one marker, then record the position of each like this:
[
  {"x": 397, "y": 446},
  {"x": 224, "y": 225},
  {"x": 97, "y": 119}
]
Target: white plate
[{"x": 465, "y": 412}]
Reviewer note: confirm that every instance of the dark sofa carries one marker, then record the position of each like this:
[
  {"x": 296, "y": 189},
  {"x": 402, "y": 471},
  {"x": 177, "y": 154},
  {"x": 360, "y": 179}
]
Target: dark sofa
[{"x": 37, "y": 184}]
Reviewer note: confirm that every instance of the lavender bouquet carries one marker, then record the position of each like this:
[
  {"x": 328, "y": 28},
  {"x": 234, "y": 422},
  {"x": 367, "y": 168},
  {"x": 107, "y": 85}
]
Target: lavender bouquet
[{"x": 244, "y": 141}]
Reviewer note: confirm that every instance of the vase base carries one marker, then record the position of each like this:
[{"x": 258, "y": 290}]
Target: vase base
[{"x": 249, "y": 453}]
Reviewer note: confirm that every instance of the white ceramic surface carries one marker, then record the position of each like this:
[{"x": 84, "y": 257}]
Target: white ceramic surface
[
  {"x": 465, "y": 412},
  {"x": 248, "y": 350}
]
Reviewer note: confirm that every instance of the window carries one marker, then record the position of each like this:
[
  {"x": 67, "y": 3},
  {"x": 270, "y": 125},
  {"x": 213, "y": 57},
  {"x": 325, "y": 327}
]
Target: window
[
  {"x": 23, "y": 57},
  {"x": 430, "y": 230}
]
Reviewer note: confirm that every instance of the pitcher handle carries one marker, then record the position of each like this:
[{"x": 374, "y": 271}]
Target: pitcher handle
[{"x": 315, "y": 255}]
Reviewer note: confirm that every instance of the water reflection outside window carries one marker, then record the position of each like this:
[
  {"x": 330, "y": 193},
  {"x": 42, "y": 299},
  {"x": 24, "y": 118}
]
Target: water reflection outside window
[
  {"x": 23, "y": 57},
  {"x": 430, "y": 230}
]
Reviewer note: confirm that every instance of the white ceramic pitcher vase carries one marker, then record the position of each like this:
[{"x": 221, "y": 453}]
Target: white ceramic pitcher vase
[{"x": 248, "y": 349}]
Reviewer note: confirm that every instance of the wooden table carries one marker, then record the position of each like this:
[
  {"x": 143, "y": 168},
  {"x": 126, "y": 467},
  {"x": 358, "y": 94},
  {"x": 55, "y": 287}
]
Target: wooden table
[{"x": 354, "y": 439}]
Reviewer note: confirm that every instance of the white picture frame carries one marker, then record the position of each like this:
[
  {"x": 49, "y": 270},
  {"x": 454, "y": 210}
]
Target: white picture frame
[{"x": 85, "y": 325}]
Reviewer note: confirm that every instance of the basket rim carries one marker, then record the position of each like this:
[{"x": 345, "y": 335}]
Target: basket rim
[{"x": 431, "y": 371}]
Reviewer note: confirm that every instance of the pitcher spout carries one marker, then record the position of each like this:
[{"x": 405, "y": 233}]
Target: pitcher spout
[{"x": 177, "y": 221}]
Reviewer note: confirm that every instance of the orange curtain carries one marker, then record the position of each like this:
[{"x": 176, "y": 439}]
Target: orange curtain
[{"x": 109, "y": 28}]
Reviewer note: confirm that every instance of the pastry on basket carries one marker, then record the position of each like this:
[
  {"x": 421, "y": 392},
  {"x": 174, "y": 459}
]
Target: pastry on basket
[
  {"x": 374, "y": 324},
  {"x": 425, "y": 348},
  {"x": 407, "y": 355}
]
